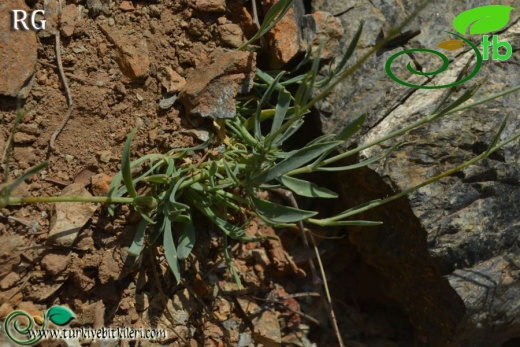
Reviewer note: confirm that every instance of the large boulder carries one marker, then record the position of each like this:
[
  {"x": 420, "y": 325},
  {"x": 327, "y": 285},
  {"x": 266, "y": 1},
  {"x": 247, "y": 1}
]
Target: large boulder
[{"x": 463, "y": 230}]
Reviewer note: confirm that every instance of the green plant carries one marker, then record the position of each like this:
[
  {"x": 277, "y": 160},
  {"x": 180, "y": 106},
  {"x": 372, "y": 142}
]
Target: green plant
[{"x": 221, "y": 179}]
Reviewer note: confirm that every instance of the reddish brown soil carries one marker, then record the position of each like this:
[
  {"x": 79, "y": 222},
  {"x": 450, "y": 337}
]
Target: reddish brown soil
[{"x": 94, "y": 277}]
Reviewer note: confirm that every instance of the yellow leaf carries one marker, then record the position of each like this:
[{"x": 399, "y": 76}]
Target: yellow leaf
[
  {"x": 38, "y": 320},
  {"x": 451, "y": 45}
]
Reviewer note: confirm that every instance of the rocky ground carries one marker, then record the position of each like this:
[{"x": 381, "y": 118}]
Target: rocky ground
[
  {"x": 167, "y": 68},
  {"x": 125, "y": 63}
]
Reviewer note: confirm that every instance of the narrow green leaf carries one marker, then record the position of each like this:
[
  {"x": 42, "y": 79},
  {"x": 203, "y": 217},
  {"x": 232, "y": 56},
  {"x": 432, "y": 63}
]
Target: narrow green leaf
[
  {"x": 299, "y": 158},
  {"x": 125, "y": 166},
  {"x": 156, "y": 233},
  {"x": 122, "y": 191},
  {"x": 264, "y": 76},
  {"x": 144, "y": 201},
  {"x": 348, "y": 130},
  {"x": 158, "y": 179},
  {"x": 230, "y": 196},
  {"x": 284, "y": 100},
  {"x": 295, "y": 80},
  {"x": 271, "y": 18},
  {"x": 229, "y": 263},
  {"x": 322, "y": 138},
  {"x": 224, "y": 199},
  {"x": 144, "y": 215},
  {"x": 116, "y": 181},
  {"x": 198, "y": 187},
  {"x": 375, "y": 203},
  {"x": 356, "y": 209},
  {"x": 352, "y": 127},
  {"x": 194, "y": 148},
  {"x": 359, "y": 165},
  {"x": 281, "y": 138},
  {"x": 171, "y": 167},
  {"x": 186, "y": 240},
  {"x": 302, "y": 90},
  {"x": 172, "y": 208},
  {"x": 232, "y": 175},
  {"x": 285, "y": 128},
  {"x": 358, "y": 223},
  {"x": 451, "y": 90},
  {"x": 486, "y": 99},
  {"x": 269, "y": 186},
  {"x": 242, "y": 130},
  {"x": 497, "y": 136},
  {"x": 233, "y": 231},
  {"x": 170, "y": 252},
  {"x": 182, "y": 177},
  {"x": 306, "y": 188},
  {"x": 349, "y": 167},
  {"x": 31, "y": 171},
  {"x": 276, "y": 12},
  {"x": 312, "y": 80},
  {"x": 463, "y": 98},
  {"x": 265, "y": 97},
  {"x": 350, "y": 49},
  {"x": 280, "y": 213},
  {"x": 306, "y": 58},
  {"x": 138, "y": 243},
  {"x": 283, "y": 155},
  {"x": 212, "y": 173}
]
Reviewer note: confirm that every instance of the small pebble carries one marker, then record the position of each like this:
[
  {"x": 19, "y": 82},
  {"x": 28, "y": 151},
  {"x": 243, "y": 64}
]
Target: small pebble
[{"x": 104, "y": 156}]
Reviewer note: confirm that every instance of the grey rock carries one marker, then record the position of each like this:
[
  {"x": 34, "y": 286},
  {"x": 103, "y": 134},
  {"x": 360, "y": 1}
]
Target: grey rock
[
  {"x": 231, "y": 35},
  {"x": 97, "y": 7},
  {"x": 167, "y": 101},
  {"x": 322, "y": 28},
  {"x": 469, "y": 221},
  {"x": 211, "y": 89},
  {"x": 245, "y": 340}
]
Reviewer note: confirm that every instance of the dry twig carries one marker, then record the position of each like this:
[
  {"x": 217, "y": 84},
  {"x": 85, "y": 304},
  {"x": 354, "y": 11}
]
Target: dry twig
[
  {"x": 69, "y": 74},
  {"x": 33, "y": 226},
  {"x": 284, "y": 306},
  {"x": 67, "y": 90},
  {"x": 289, "y": 197},
  {"x": 153, "y": 256}
]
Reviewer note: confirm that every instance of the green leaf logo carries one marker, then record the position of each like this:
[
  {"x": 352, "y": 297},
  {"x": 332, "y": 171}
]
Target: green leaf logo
[
  {"x": 483, "y": 19},
  {"x": 60, "y": 315}
]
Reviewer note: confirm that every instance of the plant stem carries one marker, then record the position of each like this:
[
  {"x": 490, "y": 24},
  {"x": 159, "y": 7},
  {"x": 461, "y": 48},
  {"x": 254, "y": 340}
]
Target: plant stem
[
  {"x": 49, "y": 199},
  {"x": 483, "y": 100},
  {"x": 393, "y": 33},
  {"x": 376, "y": 203},
  {"x": 416, "y": 124}
]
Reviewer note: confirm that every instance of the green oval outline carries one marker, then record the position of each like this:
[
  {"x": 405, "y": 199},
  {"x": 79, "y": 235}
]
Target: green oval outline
[
  {"x": 445, "y": 65},
  {"x": 24, "y": 331}
]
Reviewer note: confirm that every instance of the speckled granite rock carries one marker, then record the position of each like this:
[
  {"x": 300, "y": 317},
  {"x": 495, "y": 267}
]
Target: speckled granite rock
[{"x": 469, "y": 223}]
